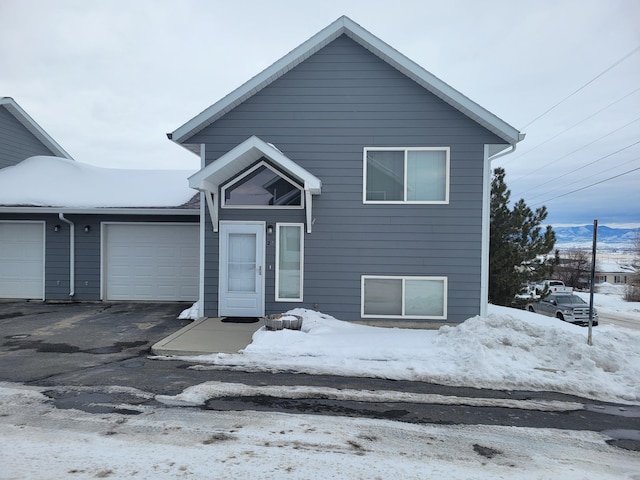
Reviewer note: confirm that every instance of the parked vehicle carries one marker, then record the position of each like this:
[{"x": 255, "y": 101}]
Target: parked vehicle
[
  {"x": 552, "y": 286},
  {"x": 566, "y": 307}
]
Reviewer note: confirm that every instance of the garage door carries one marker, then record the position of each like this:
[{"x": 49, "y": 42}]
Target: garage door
[
  {"x": 22, "y": 260},
  {"x": 151, "y": 262}
]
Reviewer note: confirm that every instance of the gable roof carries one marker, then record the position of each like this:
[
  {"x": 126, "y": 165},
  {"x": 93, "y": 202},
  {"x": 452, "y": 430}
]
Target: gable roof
[
  {"x": 345, "y": 26},
  {"x": 30, "y": 124},
  {"x": 242, "y": 156}
]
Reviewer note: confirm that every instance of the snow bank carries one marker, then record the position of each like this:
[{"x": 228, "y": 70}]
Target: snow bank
[{"x": 510, "y": 349}]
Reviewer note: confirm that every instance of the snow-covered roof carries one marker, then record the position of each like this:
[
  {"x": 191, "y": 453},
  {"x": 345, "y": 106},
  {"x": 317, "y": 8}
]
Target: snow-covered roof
[
  {"x": 43, "y": 181},
  {"x": 613, "y": 267},
  {"x": 30, "y": 124},
  {"x": 345, "y": 26}
]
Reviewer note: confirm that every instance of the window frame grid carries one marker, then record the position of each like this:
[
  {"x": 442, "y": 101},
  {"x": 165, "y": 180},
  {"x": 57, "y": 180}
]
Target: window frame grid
[
  {"x": 404, "y": 278},
  {"x": 406, "y": 151},
  {"x": 278, "y": 298},
  {"x": 249, "y": 171}
]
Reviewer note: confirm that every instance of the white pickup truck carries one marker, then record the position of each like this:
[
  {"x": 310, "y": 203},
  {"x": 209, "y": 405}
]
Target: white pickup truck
[{"x": 552, "y": 286}]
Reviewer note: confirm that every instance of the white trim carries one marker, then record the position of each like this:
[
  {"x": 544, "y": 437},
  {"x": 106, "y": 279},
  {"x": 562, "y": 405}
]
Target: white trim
[
  {"x": 103, "y": 234},
  {"x": 262, "y": 163},
  {"x": 486, "y": 225},
  {"x": 203, "y": 224},
  {"x": 406, "y": 151},
  {"x": 445, "y": 281},
  {"x": 44, "y": 248},
  {"x": 277, "y": 286},
  {"x": 263, "y": 259},
  {"x": 30, "y": 124},
  {"x": 103, "y": 211},
  {"x": 346, "y": 26}
]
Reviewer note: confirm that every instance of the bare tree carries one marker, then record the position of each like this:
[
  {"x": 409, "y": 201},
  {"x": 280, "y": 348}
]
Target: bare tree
[
  {"x": 632, "y": 292},
  {"x": 574, "y": 268}
]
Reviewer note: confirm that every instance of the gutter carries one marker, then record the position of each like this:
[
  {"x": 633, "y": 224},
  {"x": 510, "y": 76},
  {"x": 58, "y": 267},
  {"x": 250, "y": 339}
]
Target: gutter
[{"x": 72, "y": 254}]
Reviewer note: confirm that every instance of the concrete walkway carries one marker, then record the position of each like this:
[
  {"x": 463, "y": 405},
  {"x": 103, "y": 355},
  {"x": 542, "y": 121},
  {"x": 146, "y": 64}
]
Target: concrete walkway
[{"x": 206, "y": 336}]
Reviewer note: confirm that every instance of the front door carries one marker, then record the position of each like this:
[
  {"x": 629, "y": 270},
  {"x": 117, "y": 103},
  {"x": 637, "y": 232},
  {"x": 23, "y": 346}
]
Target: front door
[{"x": 241, "y": 287}]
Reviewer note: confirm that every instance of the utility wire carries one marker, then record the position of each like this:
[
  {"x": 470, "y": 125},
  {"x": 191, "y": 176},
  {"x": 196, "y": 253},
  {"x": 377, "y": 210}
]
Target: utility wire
[
  {"x": 597, "y": 174},
  {"x": 511, "y": 158},
  {"x": 582, "y": 87},
  {"x": 588, "y": 186},
  {"x": 580, "y": 167},
  {"x": 578, "y": 149}
]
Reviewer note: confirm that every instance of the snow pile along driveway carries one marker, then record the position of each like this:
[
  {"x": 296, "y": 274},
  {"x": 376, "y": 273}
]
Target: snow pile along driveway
[{"x": 511, "y": 349}]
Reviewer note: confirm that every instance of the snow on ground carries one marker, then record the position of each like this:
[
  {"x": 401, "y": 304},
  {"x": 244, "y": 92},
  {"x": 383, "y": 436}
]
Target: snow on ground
[
  {"x": 510, "y": 349},
  {"x": 80, "y": 185},
  {"x": 41, "y": 442},
  {"x": 608, "y": 299}
]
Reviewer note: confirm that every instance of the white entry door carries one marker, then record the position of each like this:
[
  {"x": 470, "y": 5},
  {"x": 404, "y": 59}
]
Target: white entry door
[{"x": 241, "y": 281}]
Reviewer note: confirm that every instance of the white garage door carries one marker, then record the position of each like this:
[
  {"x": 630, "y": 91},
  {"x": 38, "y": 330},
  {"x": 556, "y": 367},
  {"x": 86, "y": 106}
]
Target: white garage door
[
  {"x": 21, "y": 260},
  {"x": 151, "y": 262}
]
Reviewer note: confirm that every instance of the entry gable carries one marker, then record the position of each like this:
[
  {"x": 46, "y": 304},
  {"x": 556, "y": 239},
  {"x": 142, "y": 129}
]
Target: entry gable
[{"x": 210, "y": 178}]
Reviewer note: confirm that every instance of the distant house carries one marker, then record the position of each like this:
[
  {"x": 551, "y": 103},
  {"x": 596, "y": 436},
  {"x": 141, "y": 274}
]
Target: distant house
[
  {"x": 345, "y": 178},
  {"x": 21, "y": 137},
  {"x": 614, "y": 273}
]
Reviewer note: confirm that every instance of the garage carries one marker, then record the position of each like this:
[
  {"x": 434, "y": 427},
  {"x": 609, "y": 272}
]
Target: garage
[
  {"x": 150, "y": 261},
  {"x": 22, "y": 260}
]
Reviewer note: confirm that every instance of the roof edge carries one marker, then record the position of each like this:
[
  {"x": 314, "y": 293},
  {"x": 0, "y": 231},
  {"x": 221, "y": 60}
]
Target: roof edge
[
  {"x": 30, "y": 124},
  {"x": 344, "y": 25}
]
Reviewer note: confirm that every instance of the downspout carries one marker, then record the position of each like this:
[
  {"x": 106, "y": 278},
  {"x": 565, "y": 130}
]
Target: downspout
[
  {"x": 72, "y": 254},
  {"x": 486, "y": 226}
]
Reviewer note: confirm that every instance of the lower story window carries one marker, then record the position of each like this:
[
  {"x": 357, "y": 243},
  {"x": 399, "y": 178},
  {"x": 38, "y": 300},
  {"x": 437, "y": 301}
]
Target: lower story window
[
  {"x": 404, "y": 297},
  {"x": 289, "y": 251}
]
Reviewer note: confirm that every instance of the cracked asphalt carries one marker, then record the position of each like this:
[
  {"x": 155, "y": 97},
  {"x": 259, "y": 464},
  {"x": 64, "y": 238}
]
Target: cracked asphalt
[{"x": 81, "y": 351}]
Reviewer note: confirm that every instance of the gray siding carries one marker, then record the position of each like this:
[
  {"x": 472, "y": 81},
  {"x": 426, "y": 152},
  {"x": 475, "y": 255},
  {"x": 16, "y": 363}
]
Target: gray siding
[
  {"x": 16, "y": 142},
  {"x": 322, "y": 114},
  {"x": 87, "y": 251}
]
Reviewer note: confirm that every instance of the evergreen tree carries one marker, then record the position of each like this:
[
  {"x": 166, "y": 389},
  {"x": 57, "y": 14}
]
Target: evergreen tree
[{"x": 519, "y": 249}]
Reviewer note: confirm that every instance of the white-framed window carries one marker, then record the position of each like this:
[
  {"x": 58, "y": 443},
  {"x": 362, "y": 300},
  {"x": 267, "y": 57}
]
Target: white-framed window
[
  {"x": 406, "y": 175},
  {"x": 289, "y": 261},
  {"x": 404, "y": 297},
  {"x": 262, "y": 186}
]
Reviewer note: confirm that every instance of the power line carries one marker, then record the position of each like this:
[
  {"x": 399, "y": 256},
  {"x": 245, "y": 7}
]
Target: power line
[
  {"x": 578, "y": 149},
  {"x": 588, "y": 186},
  {"x": 597, "y": 174},
  {"x": 580, "y": 167},
  {"x": 582, "y": 87},
  {"x": 511, "y": 158}
]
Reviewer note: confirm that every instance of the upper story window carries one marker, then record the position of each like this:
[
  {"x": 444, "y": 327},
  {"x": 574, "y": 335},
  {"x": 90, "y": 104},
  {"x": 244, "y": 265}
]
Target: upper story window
[
  {"x": 406, "y": 175},
  {"x": 262, "y": 186}
]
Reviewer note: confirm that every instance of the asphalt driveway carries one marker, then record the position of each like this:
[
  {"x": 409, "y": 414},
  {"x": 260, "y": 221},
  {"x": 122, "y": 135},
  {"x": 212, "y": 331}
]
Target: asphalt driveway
[{"x": 43, "y": 340}]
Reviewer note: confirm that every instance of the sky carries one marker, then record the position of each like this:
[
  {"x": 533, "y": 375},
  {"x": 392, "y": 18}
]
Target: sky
[
  {"x": 108, "y": 80},
  {"x": 506, "y": 351}
]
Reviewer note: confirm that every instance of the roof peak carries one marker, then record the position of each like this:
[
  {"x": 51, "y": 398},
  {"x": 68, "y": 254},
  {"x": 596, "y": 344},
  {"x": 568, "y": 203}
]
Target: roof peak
[{"x": 346, "y": 26}]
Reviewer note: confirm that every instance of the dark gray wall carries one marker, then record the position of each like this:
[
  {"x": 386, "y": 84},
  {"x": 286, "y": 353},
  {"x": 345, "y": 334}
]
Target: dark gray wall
[
  {"x": 322, "y": 114},
  {"x": 87, "y": 251},
  {"x": 16, "y": 142}
]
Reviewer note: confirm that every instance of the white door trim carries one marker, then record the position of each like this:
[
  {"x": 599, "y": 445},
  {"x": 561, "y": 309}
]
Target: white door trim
[{"x": 257, "y": 227}]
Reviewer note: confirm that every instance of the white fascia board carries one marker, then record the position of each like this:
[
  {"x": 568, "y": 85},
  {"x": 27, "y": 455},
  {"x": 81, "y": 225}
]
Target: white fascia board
[
  {"x": 241, "y": 157},
  {"x": 103, "y": 211},
  {"x": 345, "y": 25},
  {"x": 30, "y": 124}
]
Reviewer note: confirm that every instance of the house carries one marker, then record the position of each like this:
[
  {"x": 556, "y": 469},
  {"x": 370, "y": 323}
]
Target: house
[
  {"x": 345, "y": 178},
  {"x": 21, "y": 137},
  {"x": 72, "y": 231},
  {"x": 615, "y": 273}
]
